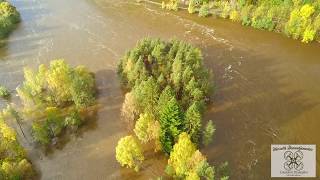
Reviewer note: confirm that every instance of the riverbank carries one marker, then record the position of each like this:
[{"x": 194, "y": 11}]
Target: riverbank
[{"x": 296, "y": 20}]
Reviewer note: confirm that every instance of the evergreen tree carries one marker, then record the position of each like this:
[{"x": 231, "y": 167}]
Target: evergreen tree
[
  {"x": 193, "y": 122},
  {"x": 171, "y": 122},
  {"x": 208, "y": 133}
]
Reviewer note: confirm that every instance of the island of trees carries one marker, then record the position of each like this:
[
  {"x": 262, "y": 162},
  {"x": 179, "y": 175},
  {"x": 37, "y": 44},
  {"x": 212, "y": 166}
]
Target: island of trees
[
  {"x": 55, "y": 99},
  {"x": 298, "y": 19},
  {"x": 168, "y": 89}
]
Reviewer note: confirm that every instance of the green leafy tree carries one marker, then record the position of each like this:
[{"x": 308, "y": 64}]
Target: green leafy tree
[
  {"x": 129, "y": 152},
  {"x": 82, "y": 87}
]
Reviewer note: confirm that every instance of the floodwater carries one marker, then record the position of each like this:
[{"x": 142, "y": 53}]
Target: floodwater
[{"x": 268, "y": 86}]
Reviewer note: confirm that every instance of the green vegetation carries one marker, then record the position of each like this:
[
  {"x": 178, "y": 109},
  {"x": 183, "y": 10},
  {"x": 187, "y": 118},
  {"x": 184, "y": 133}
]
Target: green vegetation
[
  {"x": 56, "y": 97},
  {"x": 9, "y": 16},
  {"x": 208, "y": 133},
  {"x": 4, "y": 93},
  {"x": 13, "y": 162},
  {"x": 298, "y": 19},
  {"x": 169, "y": 88}
]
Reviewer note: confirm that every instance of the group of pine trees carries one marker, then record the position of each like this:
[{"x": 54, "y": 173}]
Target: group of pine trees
[
  {"x": 298, "y": 19},
  {"x": 168, "y": 91}
]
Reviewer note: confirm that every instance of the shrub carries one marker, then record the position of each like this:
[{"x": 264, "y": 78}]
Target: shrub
[
  {"x": 226, "y": 10},
  {"x": 192, "y": 6},
  {"x": 129, "y": 153},
  {"x": 309, "y": 34},
  {"x": 234, "y": 16},
  {"x": 204, "y": 10},
  {"x": 4, "y": 93}
]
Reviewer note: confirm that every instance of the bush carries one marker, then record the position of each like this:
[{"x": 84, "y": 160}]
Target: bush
[
  {"x": 309, "y": 34},
  {"x": 204, "y": 10},
  {"x": 4, "y": 93},
  {"x": 192, "y": 6},
  {"x": 234, "y": 16}
]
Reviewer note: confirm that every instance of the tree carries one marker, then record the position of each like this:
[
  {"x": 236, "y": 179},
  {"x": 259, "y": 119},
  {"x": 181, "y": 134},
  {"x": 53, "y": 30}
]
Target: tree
[
  {"x": 129, "y": 153},
  {"x": 82, "y": 87},
  {"x": 193, "y": 122},
  {"x": 208, "y": 133},
  {"x": 146, "y": 94},
  {"x": 187, "y": 162},
  {"x": 13, "y": 163},
  {"x": 192, "y": 6},
  {"x": 129, "y": 109},
  {"x": 145, "y": 127},
  {"x": 171, "y": 122},
  {"x": 181, "y": 154},
  {"x": 59, "y": 81}
]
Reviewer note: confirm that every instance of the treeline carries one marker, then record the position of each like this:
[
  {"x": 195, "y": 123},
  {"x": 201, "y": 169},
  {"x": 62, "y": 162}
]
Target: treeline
[
  {"x": 9, "y": 16},
  {"x": 298, "y": 19},
  {"x": 168, "y": 91}
]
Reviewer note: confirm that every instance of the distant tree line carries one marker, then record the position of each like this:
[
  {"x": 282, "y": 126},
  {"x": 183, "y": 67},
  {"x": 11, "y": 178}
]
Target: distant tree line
[{"x": 298, "y": 19}]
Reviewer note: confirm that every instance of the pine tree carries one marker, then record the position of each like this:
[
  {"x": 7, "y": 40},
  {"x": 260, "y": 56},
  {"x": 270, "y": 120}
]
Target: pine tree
[
  {"x": 193, "y": 122},
  {"x": 171, "y": 122},
  {"x": 208, "y": 133}
]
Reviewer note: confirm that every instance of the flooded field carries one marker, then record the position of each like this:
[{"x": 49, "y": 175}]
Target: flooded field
[{"x": 268, "y": 86}]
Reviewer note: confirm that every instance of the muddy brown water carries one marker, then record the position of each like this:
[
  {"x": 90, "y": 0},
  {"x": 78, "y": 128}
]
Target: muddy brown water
[{"x": 268, "y": 86}]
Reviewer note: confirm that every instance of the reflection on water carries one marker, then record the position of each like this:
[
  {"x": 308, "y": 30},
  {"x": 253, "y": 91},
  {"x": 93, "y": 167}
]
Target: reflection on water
[{"x": 267, "y": 86}]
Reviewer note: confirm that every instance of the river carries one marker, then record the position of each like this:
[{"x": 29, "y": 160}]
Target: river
[{"x": 268, "y": 86}]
